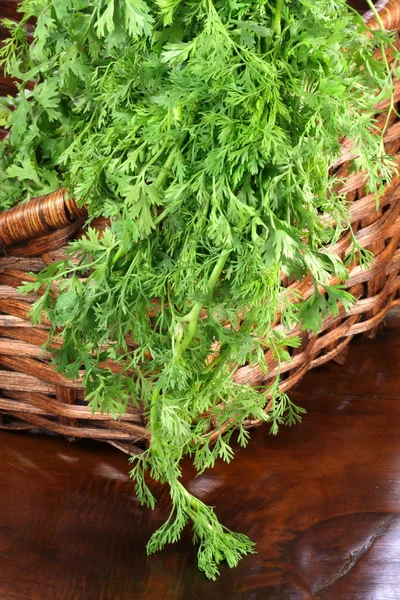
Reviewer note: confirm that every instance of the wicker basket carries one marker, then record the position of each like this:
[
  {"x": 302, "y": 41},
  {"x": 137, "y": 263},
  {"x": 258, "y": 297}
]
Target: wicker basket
[{"x": 33, "y": 395}]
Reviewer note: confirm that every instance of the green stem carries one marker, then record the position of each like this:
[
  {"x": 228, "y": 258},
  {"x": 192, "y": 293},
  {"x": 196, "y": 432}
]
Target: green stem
[
  {"x": 192, "y": 318},
  {"x": 385, "y": 60},
  {"x": 162, "y": 215},
  {"x": 376, "y": 14},
  {"x": 194, "y": 504},
  {"x": 276, "y": 25},
  {"x": 118, "y": 255},
  {"x": 155, "y": 439},
  {"x": 163, "y": 174}
]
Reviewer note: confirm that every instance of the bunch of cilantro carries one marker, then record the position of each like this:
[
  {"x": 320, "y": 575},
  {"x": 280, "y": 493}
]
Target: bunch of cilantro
[{"x": 205, "y": 131}]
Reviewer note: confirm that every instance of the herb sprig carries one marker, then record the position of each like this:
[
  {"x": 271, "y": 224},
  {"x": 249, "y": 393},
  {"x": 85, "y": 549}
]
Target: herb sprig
[{"x": 205, "y": 131}]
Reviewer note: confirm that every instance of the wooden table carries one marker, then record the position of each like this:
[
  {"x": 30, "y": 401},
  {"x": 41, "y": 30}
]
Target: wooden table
[{"x": 322, "y": 501}]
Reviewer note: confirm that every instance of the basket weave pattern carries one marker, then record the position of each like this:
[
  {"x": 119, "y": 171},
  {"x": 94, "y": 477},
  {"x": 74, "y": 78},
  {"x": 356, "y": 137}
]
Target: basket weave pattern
[{"x": 33, "y": 395}]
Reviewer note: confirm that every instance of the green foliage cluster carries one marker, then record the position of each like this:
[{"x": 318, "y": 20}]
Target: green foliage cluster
[{"x": 205, "y": 130}]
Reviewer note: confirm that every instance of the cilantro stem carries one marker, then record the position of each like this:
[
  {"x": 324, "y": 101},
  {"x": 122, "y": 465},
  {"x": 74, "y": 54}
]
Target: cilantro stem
[
  {"x": 163, "y": 174},
  {"x": 276, "y": 25},
  {"x": 386, "y": 63},
  {"x": 118, "y": 255},
  {"x": 156, "y": 442},
  {"x": 192, "y": 318},
  {"x": 376, "y": 14}
]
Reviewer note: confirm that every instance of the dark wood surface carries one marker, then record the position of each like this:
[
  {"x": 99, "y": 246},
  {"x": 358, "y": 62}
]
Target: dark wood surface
[{"x": 322, "y": 501}]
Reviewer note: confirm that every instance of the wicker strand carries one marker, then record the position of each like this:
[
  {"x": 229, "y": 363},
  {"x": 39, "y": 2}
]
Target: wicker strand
[{"x": 37, "y": 217}]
